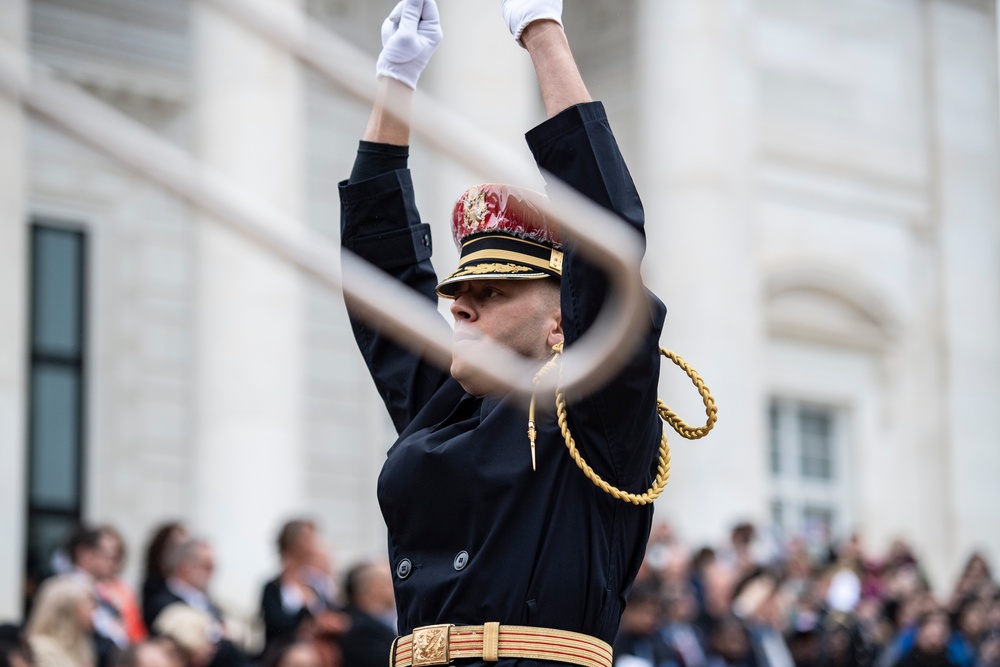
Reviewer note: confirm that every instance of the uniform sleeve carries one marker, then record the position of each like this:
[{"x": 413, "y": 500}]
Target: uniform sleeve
[
  {"x": 380, "y": 223},
  {"x": 617, "y": 427}
]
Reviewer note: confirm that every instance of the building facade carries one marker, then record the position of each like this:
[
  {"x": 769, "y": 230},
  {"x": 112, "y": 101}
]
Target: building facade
[{"x": 821, "y": 185}]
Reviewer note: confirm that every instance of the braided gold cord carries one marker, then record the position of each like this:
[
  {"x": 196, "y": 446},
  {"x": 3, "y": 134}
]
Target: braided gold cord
[
  {"x": 671, "y": 417},
  {"x": 668, "y": 415}
]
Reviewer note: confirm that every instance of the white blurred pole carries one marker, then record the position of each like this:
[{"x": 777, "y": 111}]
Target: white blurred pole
[
  {"x": 13, "y": 323},
  {"x": 249, "y": 467}
]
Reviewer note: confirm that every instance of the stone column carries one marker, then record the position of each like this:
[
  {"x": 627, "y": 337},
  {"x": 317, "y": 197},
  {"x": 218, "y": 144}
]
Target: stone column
[
  {"x": 966, "y": 145},
  {"x": 697, "y": 118},
  {"x": 248, "y": 462},
  {"x": 13, "y": 322}
]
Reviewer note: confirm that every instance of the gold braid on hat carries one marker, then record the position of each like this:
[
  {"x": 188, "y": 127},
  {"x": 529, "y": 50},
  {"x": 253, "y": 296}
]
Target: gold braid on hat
[{"x": 668, "y": 415}]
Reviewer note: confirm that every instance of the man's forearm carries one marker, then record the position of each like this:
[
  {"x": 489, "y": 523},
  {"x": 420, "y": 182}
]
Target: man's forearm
[
  {"x": 389, "y": 122},
  {"x": 558, "y": 75}
]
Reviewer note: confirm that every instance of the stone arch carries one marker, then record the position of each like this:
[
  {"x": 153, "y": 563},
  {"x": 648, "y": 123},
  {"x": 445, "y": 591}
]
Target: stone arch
[{"x": 830, "y": 305}]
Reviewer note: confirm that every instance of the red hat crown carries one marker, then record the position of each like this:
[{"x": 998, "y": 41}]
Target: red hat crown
[{"x": 503, "y": 209}]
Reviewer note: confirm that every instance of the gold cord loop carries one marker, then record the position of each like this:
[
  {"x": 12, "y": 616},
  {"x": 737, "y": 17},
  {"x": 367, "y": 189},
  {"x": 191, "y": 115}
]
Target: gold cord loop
[{"x": 668, "y": 415}]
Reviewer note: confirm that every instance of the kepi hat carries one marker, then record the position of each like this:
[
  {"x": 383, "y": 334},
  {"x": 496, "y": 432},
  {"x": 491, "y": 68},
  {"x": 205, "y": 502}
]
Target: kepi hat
[{"x": 502, "y": 233}]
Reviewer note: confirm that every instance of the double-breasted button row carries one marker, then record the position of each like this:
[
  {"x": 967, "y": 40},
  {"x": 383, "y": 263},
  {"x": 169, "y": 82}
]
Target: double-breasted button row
[{"x": 405, "y": 567}]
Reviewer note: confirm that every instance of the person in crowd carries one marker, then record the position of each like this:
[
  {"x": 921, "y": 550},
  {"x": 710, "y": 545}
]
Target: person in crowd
[
  {"x": 372, "y": 610},
  {"x": 739, "y": 555},
  {"x": 640, "y": 642},
  {"x": 930, "y": 647},
  {"x": 294, "y": 653},
  {"x": 91, "y": 555},
  {"x": 680, "y": 609},
  {"x": 117, "y": 592},
  {"x": 154, "y": 579},
  {"x": 193, "y": 632},
  {"x": 757, "y": 603},
  {"x": 188, "y": 566},
  {"x": 14, "y": 648},
  {"x": 148, "y": 654},
  {"x": 728, "y": 644},
  {"x": 968, "y": 623},
  {"x": 60, "y": 629},
  {"x": 298, "y": 602}
]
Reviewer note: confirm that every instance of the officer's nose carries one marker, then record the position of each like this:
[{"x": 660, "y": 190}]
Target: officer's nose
[{"x": 462, "y": 307}]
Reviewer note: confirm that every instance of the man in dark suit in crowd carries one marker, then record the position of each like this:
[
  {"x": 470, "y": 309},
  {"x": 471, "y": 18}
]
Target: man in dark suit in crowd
[
  {"x": 372, "y": 609},
  {"x": 299, "y": 602},
  {"x": 189, "y": 566}
]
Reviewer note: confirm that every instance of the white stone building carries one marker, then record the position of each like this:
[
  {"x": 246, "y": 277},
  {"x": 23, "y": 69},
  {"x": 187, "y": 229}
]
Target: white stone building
[{"x": 821, "y": 184}]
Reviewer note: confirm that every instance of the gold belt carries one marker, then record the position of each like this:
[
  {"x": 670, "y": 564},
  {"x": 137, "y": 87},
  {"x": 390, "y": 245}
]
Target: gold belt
[{"x": 440, "y": 644}]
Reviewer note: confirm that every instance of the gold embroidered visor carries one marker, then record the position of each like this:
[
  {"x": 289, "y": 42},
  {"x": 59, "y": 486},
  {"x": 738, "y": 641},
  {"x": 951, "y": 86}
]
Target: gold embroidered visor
[{"x": 501, "y": 256}]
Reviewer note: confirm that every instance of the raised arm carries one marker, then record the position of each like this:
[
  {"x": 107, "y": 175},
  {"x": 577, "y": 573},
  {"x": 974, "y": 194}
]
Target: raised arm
[
  {"x": 410, "y": 34},
  {"x": 537, "y": 26},
  {"x": 379, "y": 218},
  {"x": 618, "y": 426}
]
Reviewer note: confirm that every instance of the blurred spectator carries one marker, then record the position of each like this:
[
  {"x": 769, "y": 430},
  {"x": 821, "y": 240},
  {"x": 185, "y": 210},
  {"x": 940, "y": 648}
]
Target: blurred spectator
[
  {"x": 117, "y": 592},
  {"x": 60, "y": 628},
  {"x": 14, "y": 649},
  {"x": 931, "y": 646},
  {"x": 757, "y": 603},
  {"x": 299, "y": 603},
  {"x": 739, "y": 555},
  {"x": 189, "y": 566},
  {"x": 639, "y": 642},
  {"x": 680, "y": 608},
  {"x": 91, "y": 554},
  {"x": 193, "y": 631},
  {"x": 148, "y": 654},
  {"x": 372, "y": 610},
  {"x": 297, "y": 653},
  {"x": 728, "y": 644},
  {"x": 155, "y": 576}
]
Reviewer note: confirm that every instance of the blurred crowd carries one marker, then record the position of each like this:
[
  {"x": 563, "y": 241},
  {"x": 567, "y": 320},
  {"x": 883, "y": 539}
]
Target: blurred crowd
[
  {"x": 735, "y": 605},
  {"x": 751, "y": 603},
  {"x": 83, "y": 614}
]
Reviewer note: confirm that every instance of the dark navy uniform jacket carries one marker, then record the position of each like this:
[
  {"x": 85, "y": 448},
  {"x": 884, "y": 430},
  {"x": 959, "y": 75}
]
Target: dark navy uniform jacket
[{"x": 474, "y": 534}]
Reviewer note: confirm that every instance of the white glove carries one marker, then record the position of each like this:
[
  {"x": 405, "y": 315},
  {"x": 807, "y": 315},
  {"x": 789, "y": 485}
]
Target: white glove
[
  {"x": 409, "y": 36},
  {"x": 519, "y": 13}
]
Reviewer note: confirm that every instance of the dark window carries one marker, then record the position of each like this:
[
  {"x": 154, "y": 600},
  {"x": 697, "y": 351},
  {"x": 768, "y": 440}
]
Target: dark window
[
  {"x": 815, "y": 438},
  {"x": 56, "y": 376},
  {"x": 774, "y": 441}
]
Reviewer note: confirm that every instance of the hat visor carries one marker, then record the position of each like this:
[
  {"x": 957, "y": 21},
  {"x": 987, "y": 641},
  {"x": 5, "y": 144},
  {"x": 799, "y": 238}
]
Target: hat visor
[{"x": 448, "y": 287}]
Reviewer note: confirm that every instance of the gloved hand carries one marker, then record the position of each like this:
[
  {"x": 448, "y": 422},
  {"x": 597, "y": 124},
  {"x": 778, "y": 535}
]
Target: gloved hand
[
  {"x": 409, "y": 36},
  {"x": 519, "y": 13}
]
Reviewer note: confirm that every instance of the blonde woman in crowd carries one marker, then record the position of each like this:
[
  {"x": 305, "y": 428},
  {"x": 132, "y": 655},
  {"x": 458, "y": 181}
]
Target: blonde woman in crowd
[{"x": 60, "y": 629}]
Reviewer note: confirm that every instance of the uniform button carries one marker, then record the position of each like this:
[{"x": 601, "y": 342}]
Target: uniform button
[
  {"x": 461, "y": 560},
  {"x": 427, "y": 239},
  {"x": 404, "y": 568}
]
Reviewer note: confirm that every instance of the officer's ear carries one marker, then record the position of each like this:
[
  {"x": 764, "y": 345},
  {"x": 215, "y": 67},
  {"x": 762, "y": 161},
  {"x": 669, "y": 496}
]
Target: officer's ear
[
  {"x": 555, "y": 333},
  {"x": 554, "y": 330}
]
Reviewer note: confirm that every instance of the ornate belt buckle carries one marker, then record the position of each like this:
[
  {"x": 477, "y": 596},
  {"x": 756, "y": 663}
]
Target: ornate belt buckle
[{"x": 430, "y": 645}]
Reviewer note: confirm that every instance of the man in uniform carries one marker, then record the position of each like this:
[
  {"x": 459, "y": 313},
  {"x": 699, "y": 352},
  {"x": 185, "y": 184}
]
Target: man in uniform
[{"x": 524, "y": 563}]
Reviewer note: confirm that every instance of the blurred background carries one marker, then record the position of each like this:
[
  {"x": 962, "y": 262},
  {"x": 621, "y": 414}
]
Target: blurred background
[{"x": 821, "y": 186}]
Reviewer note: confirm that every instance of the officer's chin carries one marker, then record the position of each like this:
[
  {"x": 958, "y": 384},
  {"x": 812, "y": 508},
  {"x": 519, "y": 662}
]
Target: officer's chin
[{"x": 472, "y": 381}]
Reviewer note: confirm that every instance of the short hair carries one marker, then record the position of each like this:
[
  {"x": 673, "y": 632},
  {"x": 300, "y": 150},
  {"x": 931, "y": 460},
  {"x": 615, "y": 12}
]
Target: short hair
[
  {"x": 82, "y": 537},
  {"x": 181, "y": 554},
  {"x": 357, "y": 579},
  {"x": 292, "y": 532}
]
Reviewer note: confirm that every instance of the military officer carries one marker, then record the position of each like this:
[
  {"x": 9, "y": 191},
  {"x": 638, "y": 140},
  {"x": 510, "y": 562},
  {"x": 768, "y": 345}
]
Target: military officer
[{"x": 497, "y": 558}]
